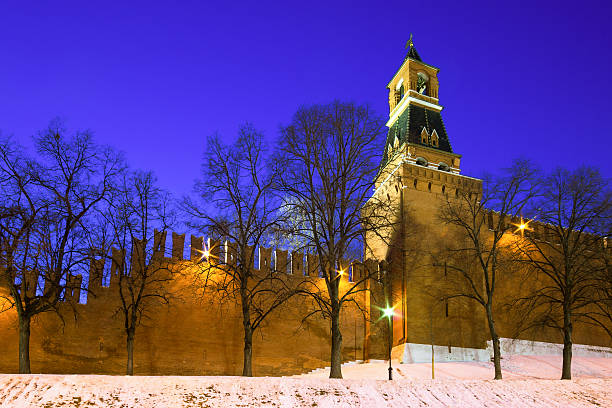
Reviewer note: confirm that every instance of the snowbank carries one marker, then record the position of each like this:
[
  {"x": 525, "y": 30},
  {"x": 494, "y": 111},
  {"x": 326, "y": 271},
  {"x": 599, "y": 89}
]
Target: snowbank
[
  {"x": 520, "y": 388},
  {"x": 513, "y": 367}
]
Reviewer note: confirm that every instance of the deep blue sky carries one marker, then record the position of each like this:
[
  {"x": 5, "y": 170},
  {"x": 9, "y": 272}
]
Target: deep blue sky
[{"x": 154, "y": 79}]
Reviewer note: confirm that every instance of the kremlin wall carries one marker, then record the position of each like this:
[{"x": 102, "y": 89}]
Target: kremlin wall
[{"x": 195, "y": 334}]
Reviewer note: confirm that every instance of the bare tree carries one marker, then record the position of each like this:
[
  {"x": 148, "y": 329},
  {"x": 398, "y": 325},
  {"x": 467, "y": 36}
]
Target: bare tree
[
  {"x": 21, "y": 211},
  {"x": 475, "y": 258},
  {"x": 137, "y": 216},
  {"x": 239, "y": 180},
  {"x": 564, "y": 257},
  {"x": 46, "y": 210},
  {"x": 331, "y": 155}
]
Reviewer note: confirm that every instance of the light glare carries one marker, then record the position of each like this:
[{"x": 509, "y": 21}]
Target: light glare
[
  {"x": 522, "y": 226},
  {"x": 388, "y": 312}
]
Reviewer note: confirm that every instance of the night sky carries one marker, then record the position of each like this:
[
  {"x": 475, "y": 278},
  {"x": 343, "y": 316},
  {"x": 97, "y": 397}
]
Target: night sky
[{"x": 529, "y": 79}]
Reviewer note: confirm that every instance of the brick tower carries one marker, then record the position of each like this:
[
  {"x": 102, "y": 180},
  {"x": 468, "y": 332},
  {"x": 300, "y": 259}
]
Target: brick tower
[
  {"x": 418, "y": 170},
  {"x": 415, "y": 120}
]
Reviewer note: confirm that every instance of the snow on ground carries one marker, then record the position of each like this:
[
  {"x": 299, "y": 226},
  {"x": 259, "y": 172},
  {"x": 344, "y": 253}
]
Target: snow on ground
[
  {"x": 513, "y": 367},
  {"x": 364, "y": 386}
]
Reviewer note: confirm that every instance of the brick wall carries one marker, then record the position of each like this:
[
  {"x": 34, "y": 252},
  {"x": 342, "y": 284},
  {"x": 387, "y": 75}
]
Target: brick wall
[{"x": 195, "y": 334}]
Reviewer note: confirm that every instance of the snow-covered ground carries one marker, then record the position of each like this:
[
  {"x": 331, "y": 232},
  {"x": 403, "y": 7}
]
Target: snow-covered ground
[
  {"x": 513, "y": 367},
  {"x": 526, "y": 384}
]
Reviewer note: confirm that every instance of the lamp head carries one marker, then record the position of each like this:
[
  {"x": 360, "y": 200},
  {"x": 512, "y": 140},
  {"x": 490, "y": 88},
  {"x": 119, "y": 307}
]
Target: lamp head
[{"x": 388, "y": 311}]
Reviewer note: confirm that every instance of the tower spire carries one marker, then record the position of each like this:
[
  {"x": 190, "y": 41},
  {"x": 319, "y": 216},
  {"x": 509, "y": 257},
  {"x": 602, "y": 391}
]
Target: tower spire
[{"x": 412, "y": 52}]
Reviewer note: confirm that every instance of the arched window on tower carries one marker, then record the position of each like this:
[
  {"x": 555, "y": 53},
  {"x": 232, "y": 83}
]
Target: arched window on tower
[
  {"x": 424, "y": 136},
  {"x": 434, "y": 138},
  {"x": 422, "y": 85},
  {"x": 401, "y": 92},
  {"x": 396, "y": 97}
]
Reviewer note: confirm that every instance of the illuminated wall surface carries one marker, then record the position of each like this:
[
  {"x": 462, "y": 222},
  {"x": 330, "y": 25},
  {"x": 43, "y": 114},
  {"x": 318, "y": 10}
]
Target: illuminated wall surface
[
  {"x": 195, "y": 334},
  {"x": 198, "y": 335}
]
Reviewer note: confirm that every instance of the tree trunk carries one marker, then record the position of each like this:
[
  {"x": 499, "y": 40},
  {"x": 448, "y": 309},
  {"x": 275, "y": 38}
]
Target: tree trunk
[
  {"x": 131, "y": 334},
  {"x": 566, "y": 373},
  {"x": 24, "y": 344},
  {"x": 336, "y": 346},
  {"x": 247, "y": 364},
  {"x": 247, "y": 360},
  {"x": 495, "y": 340}
]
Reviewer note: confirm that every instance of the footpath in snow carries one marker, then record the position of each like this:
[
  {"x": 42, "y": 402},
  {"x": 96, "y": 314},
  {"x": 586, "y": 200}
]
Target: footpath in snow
[{"x": 527, "y": 384}]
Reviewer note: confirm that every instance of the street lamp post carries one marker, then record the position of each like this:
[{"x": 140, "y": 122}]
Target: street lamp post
[
  {"x": 388, "y": 313},
  {"x": 433, "y": 375},
  {"x": 431, "y": 334}
]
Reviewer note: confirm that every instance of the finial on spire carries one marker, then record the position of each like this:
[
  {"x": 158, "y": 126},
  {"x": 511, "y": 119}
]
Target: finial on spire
[
  {"x": 412, "y": 53},
  {"x": 409, "y": 43}
]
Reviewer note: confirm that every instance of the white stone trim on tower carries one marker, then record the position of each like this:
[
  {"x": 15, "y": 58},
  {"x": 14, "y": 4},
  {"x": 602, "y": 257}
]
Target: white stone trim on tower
[{"x": 395, "y": 113}]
